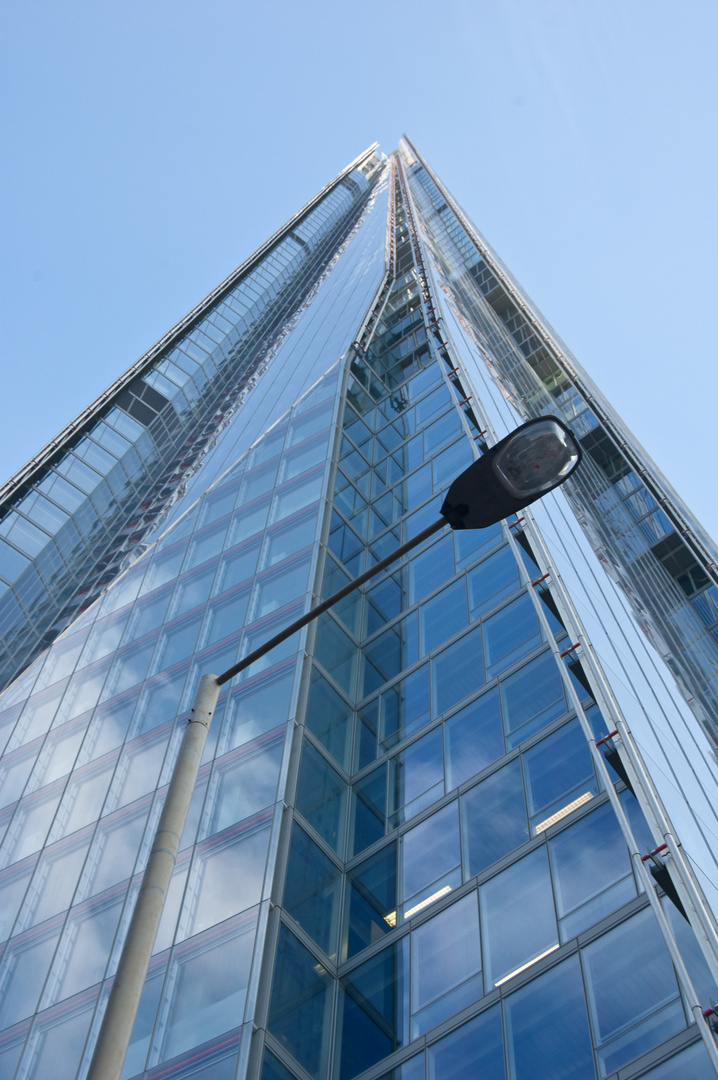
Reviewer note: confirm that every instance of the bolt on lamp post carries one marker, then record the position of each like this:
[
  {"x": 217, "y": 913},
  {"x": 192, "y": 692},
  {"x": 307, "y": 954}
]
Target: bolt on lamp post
[{"x": 533, "y": 460}]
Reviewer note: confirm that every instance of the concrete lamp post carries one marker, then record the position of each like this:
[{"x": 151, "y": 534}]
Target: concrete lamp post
[{"x": 535, "y": 458}]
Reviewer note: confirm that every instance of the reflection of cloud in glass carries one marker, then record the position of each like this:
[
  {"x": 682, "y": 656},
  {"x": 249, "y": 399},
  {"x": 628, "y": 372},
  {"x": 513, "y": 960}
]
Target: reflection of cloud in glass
[
  {"x": 228, "y": 877},
  {"x": 209, "y": 977}
]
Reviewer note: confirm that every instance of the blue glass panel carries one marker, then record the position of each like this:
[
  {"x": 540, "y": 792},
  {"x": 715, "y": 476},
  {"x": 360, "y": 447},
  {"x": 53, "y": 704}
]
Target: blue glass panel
[
  {"x": 371, "y": 906},
  {"x": 300, "y": 1007},
  {"x": 703, "y": 982},
  {"x": 547, "y": 1029},
  {"x": 431, "y": 858},
  {"x": 475, "y": 1051},
  {"x": 511, "y": 939},
  {"x": 369, "y": 801},
  {"x": 469, "y": 544},
  {"x": 473, "y": 738},
  {"x": 492, "y": 581},
  {"x": 558, "y": 770},
  {"x": 532, "y": 697},
  {"x": 445, "y": 958},
  {"x": 58, "y": 1036},
  {"x": 337, "y": 654},
  {"x": 144, "y": 1024},
  {"x": 431, "y": 568},
  {"x": 457, "y": 671},
  {"x": 404, "y": 708},
  {"x": 227, "y": 875},
  {"x": 272, "y": 1069},
  {"x": 373, "y": 1016},
  {"x": 443, "y": 616},
  {"x": 692, "y": 1063},
  {"x": 208, "y": 978},
  {"x": 215, "y": 1060},
  {"x": 417, "y": 777},
  {"x": 24, "y": 969},
  {"x": 413, "y": 1069},
  {"x": 591, "y": 871},
  {"x": 632, "y": 991},
  {"x": 510, "y": 634},
  {"x": 243, "y": 782},
  {"x": 493, "y": 817},
  {"x": 322, "y": 797},
  {"x": 259, "y": 706},
  {"x": 88, "y": 936},
  {"x": 312, "y": 891},
  {"x": 330, "y": 718},
  {"x": 13, "y": 883}
]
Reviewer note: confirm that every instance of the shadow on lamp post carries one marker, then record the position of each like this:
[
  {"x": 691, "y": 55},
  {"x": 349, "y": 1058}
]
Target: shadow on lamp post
[{"x": 533, "y": 460}]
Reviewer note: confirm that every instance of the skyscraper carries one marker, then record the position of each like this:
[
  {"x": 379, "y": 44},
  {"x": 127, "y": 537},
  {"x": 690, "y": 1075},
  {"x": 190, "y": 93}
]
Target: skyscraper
[{"x": 421, "y": 842}]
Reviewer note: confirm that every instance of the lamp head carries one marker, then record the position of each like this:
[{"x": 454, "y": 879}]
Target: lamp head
[{"x": 522, "y": 467}]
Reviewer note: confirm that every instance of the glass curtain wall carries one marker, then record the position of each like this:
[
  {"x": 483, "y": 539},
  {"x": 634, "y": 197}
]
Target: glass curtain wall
[
  {"x": 638, "y": 525},
  {"x": 73, "y": 517},
  {"x": 453, "y": 861}
]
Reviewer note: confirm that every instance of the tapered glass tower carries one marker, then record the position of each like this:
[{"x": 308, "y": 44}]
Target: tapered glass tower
[{"x": 464, "y": 825}]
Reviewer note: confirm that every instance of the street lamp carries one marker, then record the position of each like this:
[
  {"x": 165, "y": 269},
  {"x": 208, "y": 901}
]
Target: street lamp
[{"x": 521, "y": 468}]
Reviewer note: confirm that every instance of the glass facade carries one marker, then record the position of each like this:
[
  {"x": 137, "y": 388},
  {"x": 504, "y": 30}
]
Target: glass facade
[{"x": 407, "y": 856}]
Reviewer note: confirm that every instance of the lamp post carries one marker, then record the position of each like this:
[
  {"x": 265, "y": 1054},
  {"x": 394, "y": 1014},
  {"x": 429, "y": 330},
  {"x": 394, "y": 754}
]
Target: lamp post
[{"x": 535, "y": 458}]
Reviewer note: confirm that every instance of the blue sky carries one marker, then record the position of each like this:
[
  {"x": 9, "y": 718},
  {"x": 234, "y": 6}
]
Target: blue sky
[{"x": 148, "y": 147}]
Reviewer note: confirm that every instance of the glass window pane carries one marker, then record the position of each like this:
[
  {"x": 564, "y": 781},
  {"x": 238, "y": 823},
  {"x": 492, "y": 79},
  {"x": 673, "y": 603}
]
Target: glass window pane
[
  {"x": 242, "y": 783},
  {"x": 431, "y": 859},
  {"x": 559, "y": 775},
  {"x": 227, "y": 876},
  {"x": 337, "y": 653},
  {"x": 475, "y": 1051},
  {"x": 469, "y": 544},
  {"x": 404, "y": 708},
  {"x": 457, "y": 671},
  {"x": 114, "y": 850},
  {"x": 512, "y": 941},
  {"x": 371, "y": 906},
  {"x": 274, "y": 590},
  {"x": 417, "y": 777},
  {"x": 206, "y": 545},
  {"x": 56, "y": 877},
  {"x": 693, "y": 1062},
  {"x": 445, "y": 953},
  {"x": 532, "y": 697},
  {"x": 547, "y": 1029},
  {"x": 294, "y": 497},
  {"x": 208, "y": 983},
  {"x": 632, "y": 992},
  {"x": 300, "y": 1007},
  {"x": 493, "y": 817},
  {"x": 431, "y": 568},
  {"x": 24, "y": 970},
  {"x": 312, "y": 891},
  {"x": 13, "y": 884},
  {"x": 492, "y": 581},
  {"x": 591, "y": 871},
  {"x": 510, "y": 634},
  {"x": 288, "y": 539},
  {"x": 443, "y": 616},
  {"x": 236, "y": 567},
  {"x": 88, "y": 938},
  {"x": 473, "y": 738},
  {"x": 58, "y": 1036},
  {"x": 258, "y": 707},
  {"x": 330, "y": 718},
  {"x": 374, "y": 1008},
  {"x": 225, "y": 618},
  {"x": 322, "y": 797}
]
